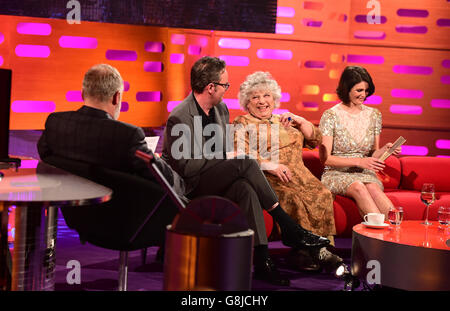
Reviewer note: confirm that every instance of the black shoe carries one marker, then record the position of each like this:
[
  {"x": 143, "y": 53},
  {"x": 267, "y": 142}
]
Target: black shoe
[
  {"x": 302, "y": 239},
  {"x": 268, "y": 272}
]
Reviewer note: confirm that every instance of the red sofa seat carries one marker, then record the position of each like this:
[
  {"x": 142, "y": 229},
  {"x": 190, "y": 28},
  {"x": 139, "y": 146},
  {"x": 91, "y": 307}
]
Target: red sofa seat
[{"x": 402, "y": 179}]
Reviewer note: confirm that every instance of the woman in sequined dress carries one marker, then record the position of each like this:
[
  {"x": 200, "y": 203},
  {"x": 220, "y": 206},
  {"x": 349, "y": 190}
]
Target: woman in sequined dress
[{"x": 350, "y": 145}]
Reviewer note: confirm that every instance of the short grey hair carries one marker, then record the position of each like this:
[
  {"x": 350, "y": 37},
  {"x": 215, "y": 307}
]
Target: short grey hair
[
  {"x": 257, "y": 81},
  {"x": 101, "y": 82}
]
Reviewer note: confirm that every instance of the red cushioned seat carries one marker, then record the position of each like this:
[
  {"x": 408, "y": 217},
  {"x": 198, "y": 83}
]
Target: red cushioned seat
[{"x": 419, "y": 170}]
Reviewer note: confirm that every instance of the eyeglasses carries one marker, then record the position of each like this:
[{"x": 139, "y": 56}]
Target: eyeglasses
[{"x": 224, "y": 85}]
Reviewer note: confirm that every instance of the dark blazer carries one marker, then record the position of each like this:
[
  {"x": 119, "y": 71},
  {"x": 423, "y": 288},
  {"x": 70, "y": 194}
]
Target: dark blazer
[
  {"x": 90, "y": 135},
  {"x": 195, "y": 163},
  {"x": 94, "y": 143}
]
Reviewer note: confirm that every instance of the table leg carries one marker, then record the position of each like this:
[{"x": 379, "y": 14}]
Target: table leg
[
  {"x": 4, "y": 269},
  {"x": 34, "y": 248}
]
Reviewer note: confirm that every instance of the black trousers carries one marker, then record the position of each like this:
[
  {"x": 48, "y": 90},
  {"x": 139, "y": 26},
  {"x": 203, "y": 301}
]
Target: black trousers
[{"x": 243, "y": 182}]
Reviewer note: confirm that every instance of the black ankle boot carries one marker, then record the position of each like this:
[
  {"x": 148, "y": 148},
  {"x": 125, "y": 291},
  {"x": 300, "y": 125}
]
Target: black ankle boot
[
  {"x": 302, "y": 239},
  {"x": 267, "y": 271}
]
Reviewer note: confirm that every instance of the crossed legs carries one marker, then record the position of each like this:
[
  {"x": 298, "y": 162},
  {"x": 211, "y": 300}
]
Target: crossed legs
[{"x": 369, "y": 198}]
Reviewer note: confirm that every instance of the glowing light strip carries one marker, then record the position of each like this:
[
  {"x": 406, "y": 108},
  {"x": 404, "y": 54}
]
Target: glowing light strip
[
  {"x": 28, "y": 50},
  {"x": 40, "y": 29}
]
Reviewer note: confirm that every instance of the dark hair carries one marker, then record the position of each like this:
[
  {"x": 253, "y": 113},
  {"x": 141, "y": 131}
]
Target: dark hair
[
  {"x": 350, "y": 76},
  {"x": 206, "y": 70}
]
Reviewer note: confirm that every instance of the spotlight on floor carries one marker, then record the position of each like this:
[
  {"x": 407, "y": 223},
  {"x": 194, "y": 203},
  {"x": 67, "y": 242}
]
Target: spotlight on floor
[{"x": 350, "y": 282}]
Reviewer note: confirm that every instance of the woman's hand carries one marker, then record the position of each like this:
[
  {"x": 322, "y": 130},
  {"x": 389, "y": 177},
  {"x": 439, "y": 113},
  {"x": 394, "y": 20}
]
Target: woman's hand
[
  {"x": 288, "y": 118},
  {"x": 282, "y": 172},
  {"x": 396, "y": 152},
  {"x": 371, "y": 163}
]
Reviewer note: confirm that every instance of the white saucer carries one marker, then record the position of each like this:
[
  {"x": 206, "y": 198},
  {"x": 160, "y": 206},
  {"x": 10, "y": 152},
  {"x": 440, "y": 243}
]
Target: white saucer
[{"x": 375, "y": 226}]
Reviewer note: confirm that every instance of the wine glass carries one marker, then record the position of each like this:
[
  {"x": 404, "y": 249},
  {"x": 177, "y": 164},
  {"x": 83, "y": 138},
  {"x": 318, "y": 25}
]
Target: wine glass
[
  {"x": 395, "y": 215},
  {"x": 444, "y": 216},
  {"x": 427, "y": 197}
]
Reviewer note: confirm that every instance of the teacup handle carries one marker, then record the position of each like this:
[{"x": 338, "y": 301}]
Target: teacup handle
[{"x": 365, "y": 219}]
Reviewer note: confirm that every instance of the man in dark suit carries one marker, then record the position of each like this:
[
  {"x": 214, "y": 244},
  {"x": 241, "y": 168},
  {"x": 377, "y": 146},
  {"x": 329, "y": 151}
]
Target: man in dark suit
[
  {"x": 201, "y": 160},
  {"x": 93, "y": 135}
]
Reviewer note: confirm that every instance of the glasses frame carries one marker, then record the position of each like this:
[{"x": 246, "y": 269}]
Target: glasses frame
[{"x": 226, "y": 86}]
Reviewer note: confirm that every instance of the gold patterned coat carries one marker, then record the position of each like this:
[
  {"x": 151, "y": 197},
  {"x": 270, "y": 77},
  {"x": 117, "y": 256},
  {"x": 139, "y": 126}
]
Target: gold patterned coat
[{"x": 304, "y": 198}]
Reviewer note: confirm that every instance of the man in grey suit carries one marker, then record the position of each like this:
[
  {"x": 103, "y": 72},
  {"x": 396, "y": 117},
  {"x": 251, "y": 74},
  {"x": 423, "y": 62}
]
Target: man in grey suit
[{"x": 195, "y": 147}]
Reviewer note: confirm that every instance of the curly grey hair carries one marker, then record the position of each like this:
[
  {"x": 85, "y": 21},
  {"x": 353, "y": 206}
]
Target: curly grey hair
[
  {"x": 257, "y": 81},
  {"x": 102, "y": 82}
]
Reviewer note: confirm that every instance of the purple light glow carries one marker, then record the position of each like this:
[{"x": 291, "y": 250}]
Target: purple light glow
[
  {"x": 284, "y": 29},
  {"x": 231, "y": 43},
  {"x": 443, "y": 156},
  {"x": 39, "y": 29},
  {"x": 32, "y": 106},
  {"x": 365, "y": 59},
  {"x": 311, "y": 5},
  {"x": 177, "y": 58},
  {"x": 28, "y": 50},
  {"x": 406, "y": 109},
  {"x": 194, "y": 50},
  {"x": 203, "y": 41},
  {"x": 308, "y": 22},
  {"x": 367, "y": 34},
  {"x": 412, "y": 13},
  {"x": 285, "y": 97},
  {"x": 418, "y": 70},
  {"x": 443, "y": 22},
  {"x": 285, "y": 11},
  {"x": 124, "y": 107},
  {"x": 443, "y": 144},
  {"x": 274, "y": 54},
  {"x": 232, "y": 103},
  {"x": 29, "y": 163},
  {"x": 315, "y": 64},
  {"x": 126, "y": 86},
  {"x": 445, "y": 79},
  {"x": 403, "y": 93},
  {"x": 363, "y": 19},
  {"x": 78, "y": 42},
  {"x": 2, "y": 38},
  {"x": 414, "y": 150},
  {"x": 1, "y": 60},
  {"x": 373, "y": 100},
  {"x": 155, "y": 47},
  {"x": 310, "y": 104},
  {"x": 440, "y": 103},
  {"x": 279, "y": 111},
  {"x": 235, "y": 60},
  {"x": 148, "y": 96},
  {"x": 153, "y": 66},
  {"x": 74, "y": 96},
  {"x": 124, "y": 55},
  {"x": 411, "y": 29},
  {"x": 446, "y": 63},
  {"x": 178, "y": 39},
  {"x": 172, "y": 104}
]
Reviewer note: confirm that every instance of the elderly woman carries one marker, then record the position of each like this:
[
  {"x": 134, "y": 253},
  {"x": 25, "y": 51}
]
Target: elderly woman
[{"x": 301, "y": 194}]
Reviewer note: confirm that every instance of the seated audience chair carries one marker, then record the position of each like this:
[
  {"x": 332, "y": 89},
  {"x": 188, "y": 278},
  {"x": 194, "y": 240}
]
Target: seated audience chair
[{"x": 135, "y": 217}]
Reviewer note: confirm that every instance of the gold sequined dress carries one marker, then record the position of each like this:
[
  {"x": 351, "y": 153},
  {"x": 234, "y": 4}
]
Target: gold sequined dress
[
  {"x": 353, "y": 137},
  {"x": 304, "y": 198}
]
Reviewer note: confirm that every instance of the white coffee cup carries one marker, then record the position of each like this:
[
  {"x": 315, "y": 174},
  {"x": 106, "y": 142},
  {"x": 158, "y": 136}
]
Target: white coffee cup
[{"x": 374, "y": 218}]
